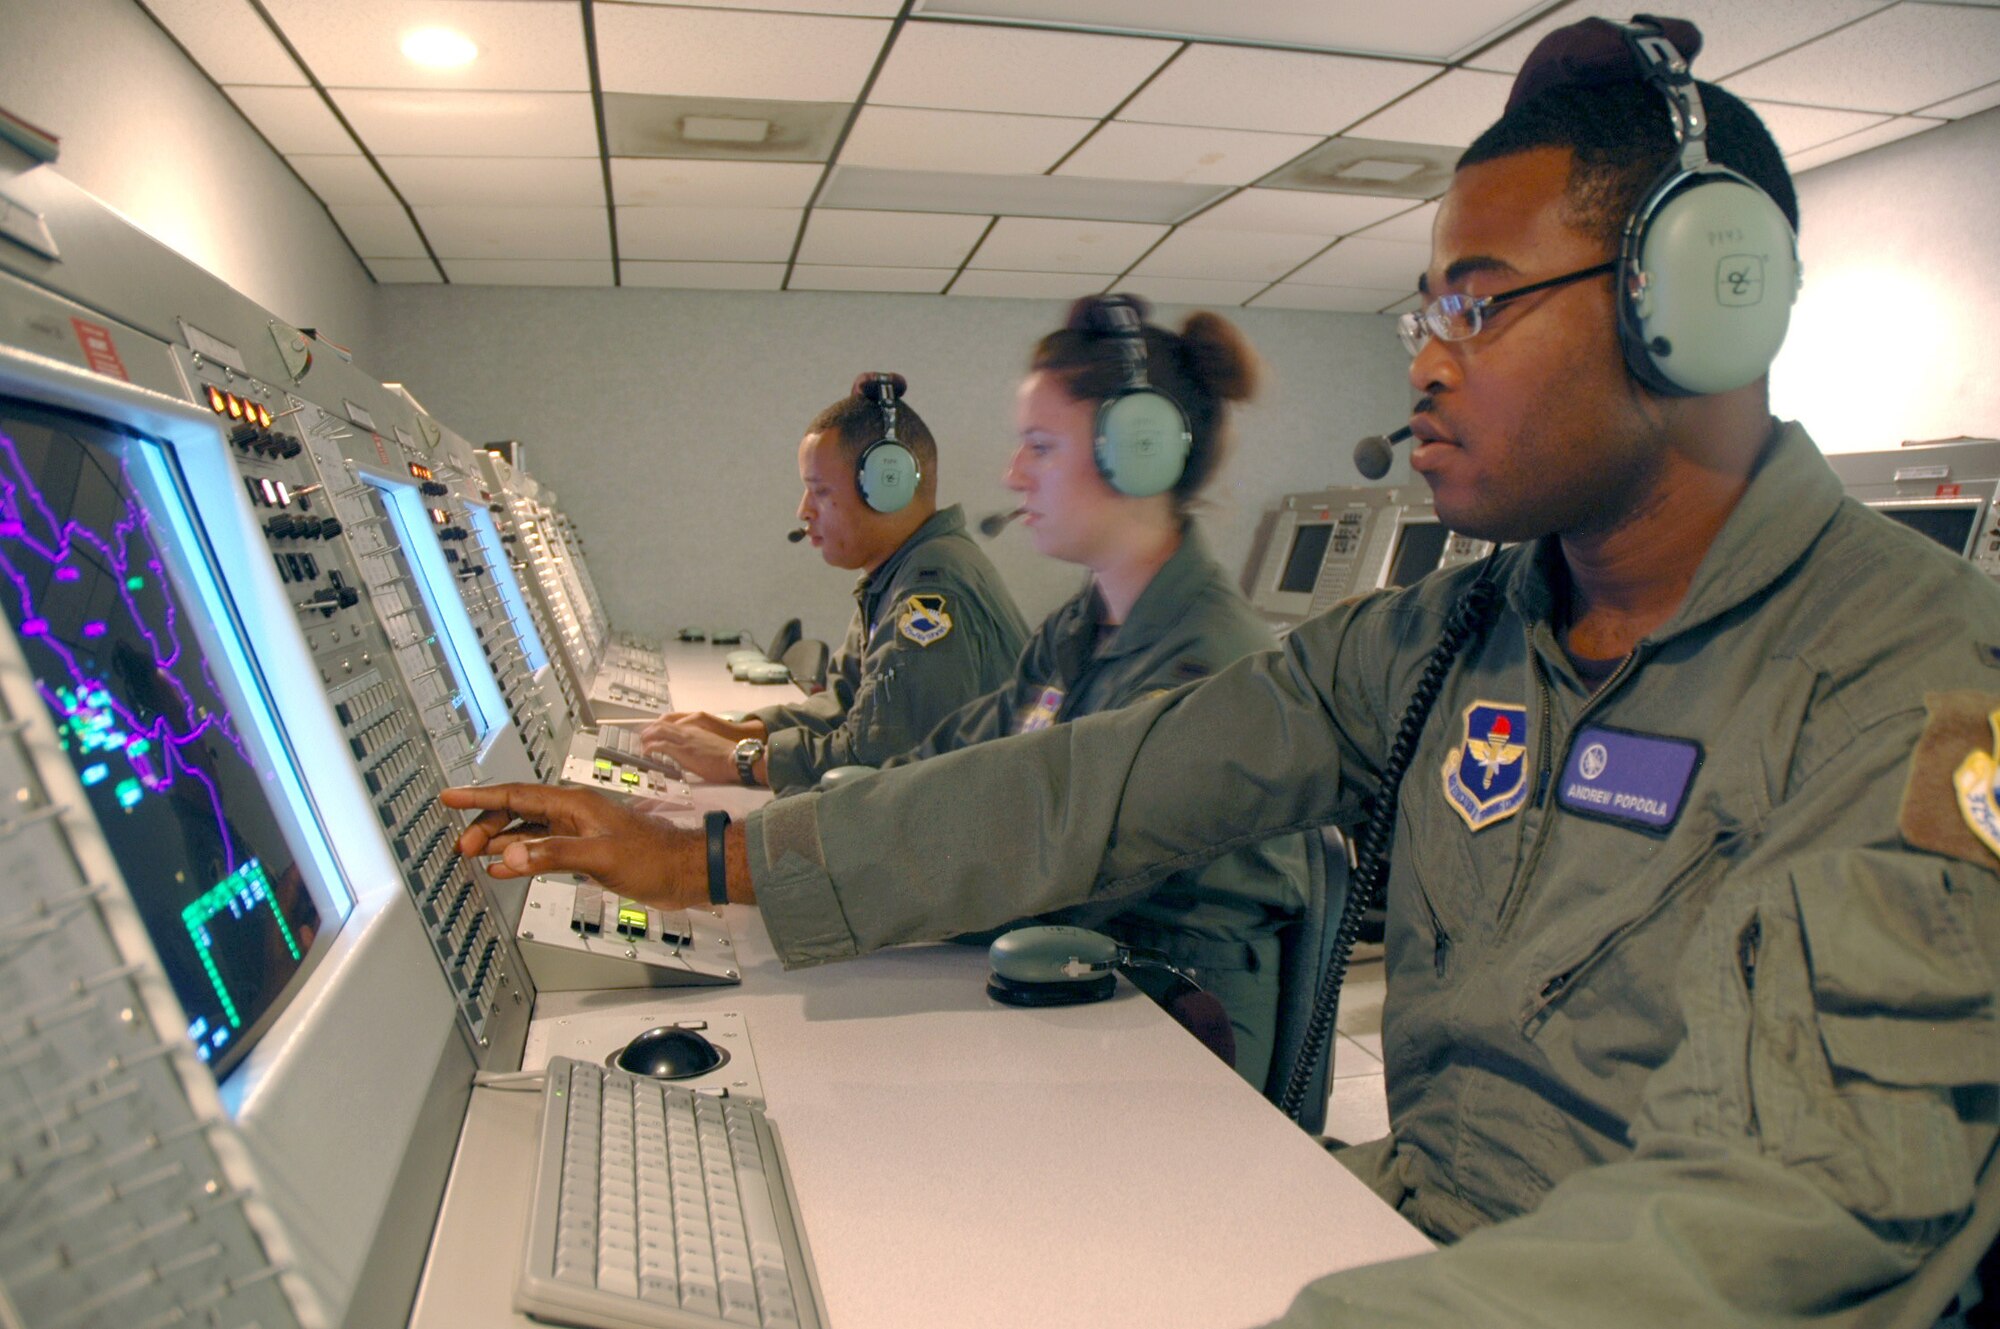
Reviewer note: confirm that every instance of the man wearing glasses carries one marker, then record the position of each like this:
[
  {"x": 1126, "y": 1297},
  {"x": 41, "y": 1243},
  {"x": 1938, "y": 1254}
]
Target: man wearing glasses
[{"x": 1691, "y": 939}]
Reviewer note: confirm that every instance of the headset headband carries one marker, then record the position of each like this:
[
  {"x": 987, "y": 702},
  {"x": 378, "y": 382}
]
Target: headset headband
[{"x": 1660, "y": 62}]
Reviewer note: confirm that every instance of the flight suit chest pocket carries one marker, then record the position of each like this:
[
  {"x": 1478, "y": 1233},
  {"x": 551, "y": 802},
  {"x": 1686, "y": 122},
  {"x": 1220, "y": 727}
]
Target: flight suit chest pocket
[{"x": 1608, "y": 946}]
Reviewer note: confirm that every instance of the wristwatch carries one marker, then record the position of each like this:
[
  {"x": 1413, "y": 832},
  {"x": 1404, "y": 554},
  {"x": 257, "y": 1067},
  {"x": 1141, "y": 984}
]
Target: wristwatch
[{"x": 748, "y": 753}]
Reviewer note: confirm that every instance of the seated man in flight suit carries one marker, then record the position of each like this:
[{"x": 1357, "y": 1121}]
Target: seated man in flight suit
[
  {"x": 933, "y": 625},
  {"x": 1694, "y": 898}
]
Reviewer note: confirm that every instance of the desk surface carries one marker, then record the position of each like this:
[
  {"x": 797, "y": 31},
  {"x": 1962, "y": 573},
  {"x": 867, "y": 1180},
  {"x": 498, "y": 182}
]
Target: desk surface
[{"x": 957, "y": 1162}]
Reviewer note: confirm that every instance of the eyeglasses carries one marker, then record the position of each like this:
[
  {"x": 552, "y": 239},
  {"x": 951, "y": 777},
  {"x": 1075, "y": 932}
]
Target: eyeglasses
[{"x": 1457, "y": 317}]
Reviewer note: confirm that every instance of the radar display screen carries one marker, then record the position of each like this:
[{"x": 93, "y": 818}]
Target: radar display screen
[{"x": 168, "y": 768}]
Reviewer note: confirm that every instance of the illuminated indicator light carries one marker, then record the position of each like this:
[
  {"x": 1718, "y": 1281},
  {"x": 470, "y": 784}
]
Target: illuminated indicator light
[
  {"x": 439, "y": 48},
  {"x": 93, "y": 629},
  {"x": 631, "y": 919},
  {"x": 215, "y": 400},
  {"x": 284, "y": 493},
  {"x": 129, "y": 793},
  {"x": 630, "y": 777},
  {"x": 270, "y": 491},
  {"x": 139, "y": 747},
  {"x": 95, "y": 774},
  {"x": 235, "y": 405},
  {"x": 135, "y": 583},
  {"x": 264, "y": 416}
]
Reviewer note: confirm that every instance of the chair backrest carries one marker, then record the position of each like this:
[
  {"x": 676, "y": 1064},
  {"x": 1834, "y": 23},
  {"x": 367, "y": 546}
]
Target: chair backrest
[
  {"x": 807, "y": 659},
  {"x": 1303, "y": 948},
  {"x": 788, "y": 632}
]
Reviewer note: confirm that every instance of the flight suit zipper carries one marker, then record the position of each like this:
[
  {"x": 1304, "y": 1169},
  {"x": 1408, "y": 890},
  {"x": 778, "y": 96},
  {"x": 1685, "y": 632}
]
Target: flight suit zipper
[
  {"x": 1553, "y": 987},
  {"x": 1517, "y": 889}
]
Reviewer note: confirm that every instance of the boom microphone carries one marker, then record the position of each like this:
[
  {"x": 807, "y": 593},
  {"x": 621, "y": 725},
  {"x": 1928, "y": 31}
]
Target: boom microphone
[
  {"x": 796, "y": 534},
  {"x": 995, "y": 522},
  {"x": 1371, "y": 454}
]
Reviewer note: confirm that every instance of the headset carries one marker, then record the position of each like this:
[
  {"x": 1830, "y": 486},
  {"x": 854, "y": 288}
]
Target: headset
[
  {"x": 1709, "y": 266},
  {"x": 1142, "y": 433},
  {"x": 886, "y": 472}
]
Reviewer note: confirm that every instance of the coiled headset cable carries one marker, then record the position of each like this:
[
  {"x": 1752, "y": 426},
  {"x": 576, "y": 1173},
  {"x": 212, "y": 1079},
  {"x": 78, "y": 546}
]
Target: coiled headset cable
[{"x": 1469, "y": 619}]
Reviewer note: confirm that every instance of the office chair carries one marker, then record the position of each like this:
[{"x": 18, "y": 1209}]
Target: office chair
[
  {"x": 788, "y": 632},
  {"x": 807, "y": 659},
  {"x": 1303, "y": 948}
]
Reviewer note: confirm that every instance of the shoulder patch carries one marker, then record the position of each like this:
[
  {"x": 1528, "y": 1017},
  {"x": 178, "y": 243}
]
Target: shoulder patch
[
  {"x": 1951, "y": 804},
  {"x": 923, "y": 618}
]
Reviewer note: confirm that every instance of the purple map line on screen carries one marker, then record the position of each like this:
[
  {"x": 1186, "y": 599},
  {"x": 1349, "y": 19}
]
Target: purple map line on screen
[{"x": 19, "y": 499}]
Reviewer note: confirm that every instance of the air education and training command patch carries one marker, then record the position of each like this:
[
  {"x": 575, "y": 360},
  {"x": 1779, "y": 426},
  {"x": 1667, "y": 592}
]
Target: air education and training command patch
[
  {"x": 923, "y": 619},
  {"x": 1486, "y": 775}
]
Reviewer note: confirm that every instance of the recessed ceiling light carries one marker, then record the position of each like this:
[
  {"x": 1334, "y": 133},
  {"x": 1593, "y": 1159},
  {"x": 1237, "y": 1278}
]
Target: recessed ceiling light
[
  {"x": 724, "y": 129},
  {"x": 439, "y": 48}
]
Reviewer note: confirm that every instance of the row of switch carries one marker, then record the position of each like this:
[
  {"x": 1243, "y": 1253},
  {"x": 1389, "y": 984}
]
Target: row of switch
[{"x": 288, "y": 527}]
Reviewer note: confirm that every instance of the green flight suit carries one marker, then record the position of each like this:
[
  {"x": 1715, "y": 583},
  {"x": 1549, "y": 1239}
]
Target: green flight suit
[
  {"x": 1739, "y": 1068},
  {"x": 1219, "y": 919},
  {"x": 933, "y": 628}
]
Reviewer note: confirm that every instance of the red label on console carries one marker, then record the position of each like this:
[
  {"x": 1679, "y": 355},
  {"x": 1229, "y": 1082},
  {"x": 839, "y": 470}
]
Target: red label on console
[
  {"x": 99, "y": 351},
  {"x": 1947, "y": 491}
]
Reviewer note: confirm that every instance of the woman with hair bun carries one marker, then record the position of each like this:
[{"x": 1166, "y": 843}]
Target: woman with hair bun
[{"x": 1112, "y": 488}]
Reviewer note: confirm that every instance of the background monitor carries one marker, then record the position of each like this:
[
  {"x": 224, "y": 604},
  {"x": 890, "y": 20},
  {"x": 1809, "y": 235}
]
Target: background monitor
[
  {"x": 1308, "y": 551},
  {"x": 1419, "y": 547},
  {"x": 1950, "y": 524},
  {"x": 136, "y": 652}
]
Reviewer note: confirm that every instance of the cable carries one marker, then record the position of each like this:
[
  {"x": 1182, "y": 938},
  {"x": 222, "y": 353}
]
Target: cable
[{"x": 1469, "y": 618}]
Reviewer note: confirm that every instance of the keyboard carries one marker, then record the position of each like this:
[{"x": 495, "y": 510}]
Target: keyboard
[
  {"x": 620, "y": 743},
  {"x": 656, "y": 1207}
]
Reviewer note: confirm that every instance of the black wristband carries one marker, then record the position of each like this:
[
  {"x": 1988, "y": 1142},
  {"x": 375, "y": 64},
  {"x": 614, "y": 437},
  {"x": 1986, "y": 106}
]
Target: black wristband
[{"x": 718, "y": 859}]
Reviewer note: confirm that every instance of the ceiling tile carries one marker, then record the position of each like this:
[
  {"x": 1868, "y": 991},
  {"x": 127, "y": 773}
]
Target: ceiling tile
[
  {"x": 1887, "y": 132},
  {"x": 1938, "y": 51},
  {"x": 1331, "y": 299},
  {"x": 1412, "y": 227},
  {"x": 228, "y": 40},
  {"x": 460, "y": 231},
  {"x": 1375, "y": 265},
  {"x": 704, "y": 276},
  {"x": 663, "y": 183},
  {"x": 906, "y": 139},
  {"x": 911, "y": 281},
  {"x": 1453, "y": 111},
  {"x": 1122, "y": 151},
  {"x": 403, "y": 271},
  {"x": 471, "y": 124},
  {"x": 378, "y": 230},
  {"x": 1796, "y": 128},
  {"x": 972, "y": 67},
  {"x": 1013, "y": 195},
  {"x": 358, "y": 43},
  {"x": 1301, "y": 211},
  {"x": 1956, "y": 108},
  {"x": 719, "y": 234},
  {"x": 1037, "y": 244},
  {"x": 899, "y": 239},
  {"x": 1259, "y": 256},
  {"x": 1239, "y": 87},
  {"x": 851, "y": 8},
  {"x": 1435, "y": 29},
  {"x": 723, "y": 53},
  {"x": 1190, "y": 290},
  {"x": 528, "y": 272},
  {"x": 294, "y": 120},
  {"x": 1734, "y": 34},
  {"x": 348, "y": 178},
  {"x": 1064, "y": 286},
  {"x": 498, "y": 181}
]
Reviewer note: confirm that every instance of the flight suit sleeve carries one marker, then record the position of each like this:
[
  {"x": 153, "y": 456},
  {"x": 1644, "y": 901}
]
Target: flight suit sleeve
[
  {"x": 1099, "y": 808},
  {"x": 1821, "y": 1126},
  {"x": 931, "y": 649}
]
